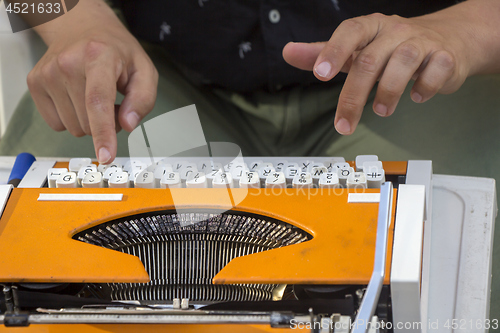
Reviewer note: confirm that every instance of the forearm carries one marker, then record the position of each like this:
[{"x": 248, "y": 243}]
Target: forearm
[
  {"x": 476, "y": 23},
  {"x": 87, "y": 14}
]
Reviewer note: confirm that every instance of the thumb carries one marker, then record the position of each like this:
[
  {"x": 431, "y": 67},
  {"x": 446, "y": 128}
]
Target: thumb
[{"x": 302, "y": 55}]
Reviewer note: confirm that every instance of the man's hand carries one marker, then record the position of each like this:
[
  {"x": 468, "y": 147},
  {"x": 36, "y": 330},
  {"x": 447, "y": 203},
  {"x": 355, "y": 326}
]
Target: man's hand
[
  {"x": 438, "y": 51},
  {"x": 90, "y": 56}
]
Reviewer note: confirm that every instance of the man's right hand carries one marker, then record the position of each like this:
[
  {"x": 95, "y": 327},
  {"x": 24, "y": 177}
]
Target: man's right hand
[{"x": 90, "y": 56}]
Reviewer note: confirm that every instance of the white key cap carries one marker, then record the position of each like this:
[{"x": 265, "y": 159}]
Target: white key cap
[
  {"x": 291, "y": 165},
  {"x": 145, "y": 179},
  {"x": 108, "y": 173},
  {"x": 141, "y": 165},
  {"x": 360, "y": 159},
  {"x": 250, "y": 180},
  {"x": 198, "y": 180},
  {"x": 331, "y": 161},
  {"x": 134, "y": 163},
  {"x": 54, "y": 174},
  {"x": 280, "y": 166},
  {"x": 133, "y": 174},
  {"x": 228, "y": 166},
  {"x": 276, "y": 180},
  {"x": 291, "y": 172},
  {"x": 189, "y": 166},
  {"x": 93, "y": 180},
  {"x": 356, "y": 180},
  {"x": 344, "y": 172},
  {"x": 238, "y": 171},
  {"x": 314, "y": 165},
  {"x": 264, "y": 172},
  {"x": 216, "y": 166},
  {"x": 188, "y": 170},
  {"x": 67, "y": 180},
  {"x": 340, "y": 165},
  {"x": 84, "y": 170},
  {"x": 316, "y": 173},
  {"x": 211, "y": 175},
  {"x": 159, "y": 171},
  {"x": 240, "y": 167},
  {"x": 207, "y": 166},
  {"x": 373, "y": 166},
  {"x": 171, "y": 180},
  {"x": 119, "y": 180},
  {"x": 329, "y": 180},
  {"x": 179, "y": 165},
  {"x": 329, "y": 166},
  {"x": 204, "y": 166},
  {"x": 375, "y": 177},
  {"x": 302, "y": 180},
  {"x": 304, "y": 165},
  {"x": 102, "y": 167},
  {"x": 254, "y": 165},
  {"x": 76, "y": 163},
  {"x": 222, "y": 180}
]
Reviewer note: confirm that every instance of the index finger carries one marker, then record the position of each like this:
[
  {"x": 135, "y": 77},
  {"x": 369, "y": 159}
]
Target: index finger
[
  {"x": 351, "y": 35},
  {"x": 100, "y": 95}
]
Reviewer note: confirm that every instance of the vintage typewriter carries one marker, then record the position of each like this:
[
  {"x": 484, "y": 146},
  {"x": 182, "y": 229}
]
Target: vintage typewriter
[{"x": 266, "y": 243}]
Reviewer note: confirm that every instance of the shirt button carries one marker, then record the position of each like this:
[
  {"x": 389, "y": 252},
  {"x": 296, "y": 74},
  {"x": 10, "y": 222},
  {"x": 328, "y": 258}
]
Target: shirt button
[{"x": 274, "y": 16}]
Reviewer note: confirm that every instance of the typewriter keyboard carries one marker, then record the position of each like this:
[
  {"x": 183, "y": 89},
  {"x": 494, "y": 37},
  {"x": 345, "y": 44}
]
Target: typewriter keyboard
[{"x": 259, "y": 172}]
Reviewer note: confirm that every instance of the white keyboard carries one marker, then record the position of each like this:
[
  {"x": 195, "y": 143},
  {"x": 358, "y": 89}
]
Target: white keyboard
[{"x": 217, "y": 172}]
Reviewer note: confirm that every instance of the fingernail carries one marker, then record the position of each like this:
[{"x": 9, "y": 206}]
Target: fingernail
[
  {"x": 133, "y": 119},
  {"x": 104, "y": 156},
  {"x": 416, "y": 97},
  {"x": 323, "y": 69},
  {"x": 380, "y": 109},
  {"x": 343, "y": 126}
]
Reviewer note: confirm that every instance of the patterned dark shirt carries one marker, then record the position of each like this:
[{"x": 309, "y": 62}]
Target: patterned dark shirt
[{"x": 238, "y": 44}]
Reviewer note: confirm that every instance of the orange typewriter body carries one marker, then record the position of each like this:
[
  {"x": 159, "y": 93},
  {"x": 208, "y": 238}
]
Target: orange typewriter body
[{"x": 37, "y": 246}]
